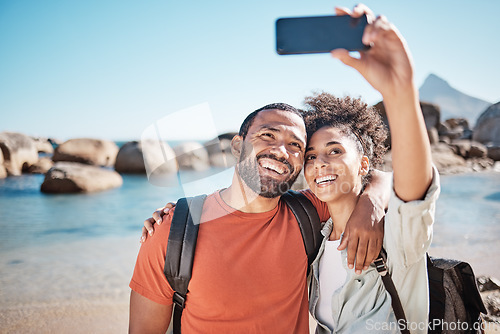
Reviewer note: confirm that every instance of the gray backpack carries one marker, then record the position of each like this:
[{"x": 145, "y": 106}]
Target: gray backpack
[{"x": 454, "y": 299}]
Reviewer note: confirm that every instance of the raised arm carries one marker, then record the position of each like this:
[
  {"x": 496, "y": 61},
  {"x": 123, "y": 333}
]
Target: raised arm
[{"x": 388, "y": 67}]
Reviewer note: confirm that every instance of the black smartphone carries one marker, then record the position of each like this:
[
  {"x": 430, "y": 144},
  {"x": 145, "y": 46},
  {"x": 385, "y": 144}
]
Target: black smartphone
[{"x": 319, "y": 34}]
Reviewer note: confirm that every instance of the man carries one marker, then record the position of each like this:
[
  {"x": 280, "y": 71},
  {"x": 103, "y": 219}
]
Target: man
[{"x": 249, "y": 271}]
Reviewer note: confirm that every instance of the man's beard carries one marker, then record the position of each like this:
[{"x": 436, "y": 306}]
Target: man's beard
[{"x": 265, "y": 186}]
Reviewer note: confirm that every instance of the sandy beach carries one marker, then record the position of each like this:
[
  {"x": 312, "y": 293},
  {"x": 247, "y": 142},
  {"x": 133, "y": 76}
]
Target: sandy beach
[{"x": 82, "y": 287}]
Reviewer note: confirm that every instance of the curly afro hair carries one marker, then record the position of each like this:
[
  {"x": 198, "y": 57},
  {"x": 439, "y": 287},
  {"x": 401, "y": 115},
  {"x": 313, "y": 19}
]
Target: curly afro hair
[{"x": 353, "y": 117}]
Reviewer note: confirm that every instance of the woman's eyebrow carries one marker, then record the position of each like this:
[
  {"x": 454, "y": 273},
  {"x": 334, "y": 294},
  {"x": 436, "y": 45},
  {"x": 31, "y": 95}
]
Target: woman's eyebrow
[
  {"x": 330, "y": 143},
  {"x": 333, "y": 142}
]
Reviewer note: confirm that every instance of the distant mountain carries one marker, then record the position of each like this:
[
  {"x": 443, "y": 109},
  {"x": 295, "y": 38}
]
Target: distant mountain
[{"x": 451, "y": 102}]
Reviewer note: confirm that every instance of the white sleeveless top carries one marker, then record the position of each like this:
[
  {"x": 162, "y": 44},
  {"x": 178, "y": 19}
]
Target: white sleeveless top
[{"x": 332, "y": 275}]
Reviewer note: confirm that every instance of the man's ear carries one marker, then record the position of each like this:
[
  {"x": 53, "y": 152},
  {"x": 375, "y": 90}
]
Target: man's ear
[
  {"x": 236, "y": 146},
  {"x": 364, "y": 167}
]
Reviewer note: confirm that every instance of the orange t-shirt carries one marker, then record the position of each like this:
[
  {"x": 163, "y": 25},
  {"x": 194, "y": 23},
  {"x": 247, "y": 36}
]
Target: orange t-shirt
[{"x": 249, "y": 271}]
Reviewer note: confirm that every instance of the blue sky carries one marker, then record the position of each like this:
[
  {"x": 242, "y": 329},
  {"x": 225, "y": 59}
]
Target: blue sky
[{"x": 110, "y": 69}]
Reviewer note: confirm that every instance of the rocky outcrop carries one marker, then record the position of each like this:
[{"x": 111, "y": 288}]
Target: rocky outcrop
[
  {"x": 192, "y": 155},
  {"x": 87, "y": 151},
  {"x": 433, "y": 135},
  {"x": 443, "y": 156},
  {"x": 42, "y": 166},
  {"x": 454, "y": 128},
  {"x": 494, "y": 153},
  {"x": 19, "y": 152},
  {"x": 489, "y": 288},
  {"x": 469, "y": 149},
  {"x": 487, "y": 283},
  {"x": 446, "y": 160},
  {"x": 160, "y": 162},
  {"x": 71, "y": 177},
  {"x": 431, "y": 117},
  {"x": 159, "y": 156},
  {"x": 492, "y": 303},
  {"x": 129, "y": 159},
  {"x": 219, "y": 150},
  {"x": 453, "y": 151},
  {"x": 487, "y": 129},
  {"x": 43, "y": 145}
]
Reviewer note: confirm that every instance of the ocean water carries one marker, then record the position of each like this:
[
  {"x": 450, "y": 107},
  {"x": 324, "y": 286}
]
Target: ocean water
[
  {"x": 31, "y": 218},
  {"x": 468, "y": 210}
]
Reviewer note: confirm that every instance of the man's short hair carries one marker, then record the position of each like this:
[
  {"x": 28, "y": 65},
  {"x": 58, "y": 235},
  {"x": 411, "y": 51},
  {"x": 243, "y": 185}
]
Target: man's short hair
[{"x": 249, "y": 120}]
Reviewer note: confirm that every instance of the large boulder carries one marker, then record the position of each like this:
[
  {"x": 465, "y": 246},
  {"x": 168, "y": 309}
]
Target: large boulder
[
  {"x": 192, "y": 155},
  {"x": 477, "y": 150},
  {"x": 487, "y": 129},
  {"x": 87, "y": 151},
  {"x": 431, "y": 117},
  {"x": 132, "y": 156},
  {"x": 219, "y": 150},
  {"x": 469, "y": 149},
  {"x": 43, "y": 165},
  {"x": 72, "y": 177},
  {"x": 129, "y": 159},
  {"x": 19, "y": 152},
  {"x": 455, "y": 128},
  {"x": 494, "y": 152},
  {"x": 433, "y": 136}
]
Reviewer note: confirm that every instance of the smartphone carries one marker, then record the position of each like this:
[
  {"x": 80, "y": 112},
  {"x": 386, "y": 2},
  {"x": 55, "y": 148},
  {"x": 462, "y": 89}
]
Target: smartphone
[{"x": 319, "y": 34}]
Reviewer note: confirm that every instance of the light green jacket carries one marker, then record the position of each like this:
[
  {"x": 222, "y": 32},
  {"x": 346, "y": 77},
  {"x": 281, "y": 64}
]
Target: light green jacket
[{"x": 362, "y": 305}]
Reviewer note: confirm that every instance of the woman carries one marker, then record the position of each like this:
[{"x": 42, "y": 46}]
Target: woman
[{"x": 345, "y": 141}]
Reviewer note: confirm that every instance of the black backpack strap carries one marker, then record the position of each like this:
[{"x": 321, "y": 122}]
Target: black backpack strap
[
  {"x": 437, "y": 296},
  {"x": 381, "y": 265},
  {"x": 309, "y": 223},
  {"x": 180, "y": 251}
]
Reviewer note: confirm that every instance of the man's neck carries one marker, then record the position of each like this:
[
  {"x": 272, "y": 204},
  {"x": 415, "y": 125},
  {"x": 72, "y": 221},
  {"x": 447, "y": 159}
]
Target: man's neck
[{"x": 240, "y": 197}]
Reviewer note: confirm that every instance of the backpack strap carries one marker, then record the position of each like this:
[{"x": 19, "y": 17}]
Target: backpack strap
[
  {"x": 309, "y": 223},
  {"x": 184, "y": 233},
  {"x": 381, "y": 265},
  {"x": 180, "y": 251}
]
